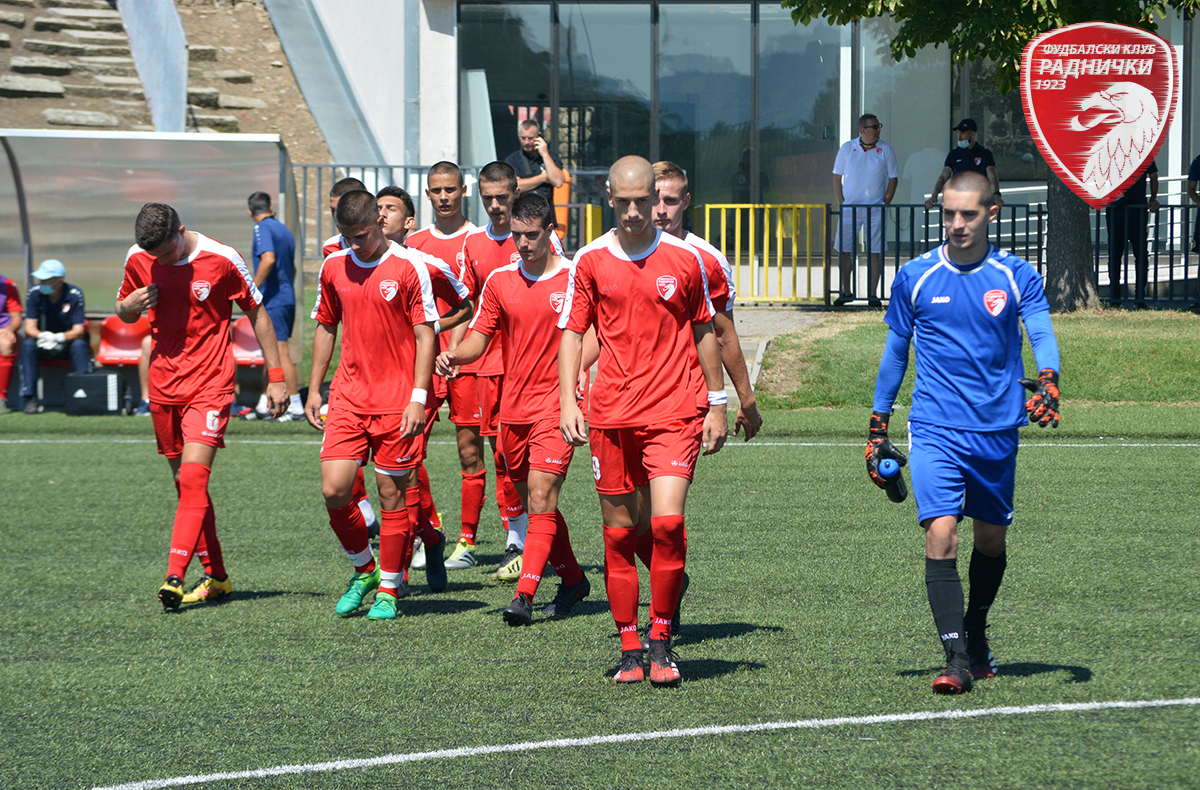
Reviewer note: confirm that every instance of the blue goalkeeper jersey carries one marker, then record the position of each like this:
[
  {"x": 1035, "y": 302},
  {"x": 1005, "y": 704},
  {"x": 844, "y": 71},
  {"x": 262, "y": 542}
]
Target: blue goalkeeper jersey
[{"x": 965, "y": 326}]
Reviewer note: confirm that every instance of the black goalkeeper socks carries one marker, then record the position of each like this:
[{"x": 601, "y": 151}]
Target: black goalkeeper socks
[
  {"x": 945, "y": 591},
  {"x": 985, "y": 574}
]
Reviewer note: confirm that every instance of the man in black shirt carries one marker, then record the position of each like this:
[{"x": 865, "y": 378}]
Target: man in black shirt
[
  {"x": 538, "y": 168},
  {"x": 1128, "y": 217},
  {"x": 55, "y": 328},
  {"x": 967, "y": 155}
]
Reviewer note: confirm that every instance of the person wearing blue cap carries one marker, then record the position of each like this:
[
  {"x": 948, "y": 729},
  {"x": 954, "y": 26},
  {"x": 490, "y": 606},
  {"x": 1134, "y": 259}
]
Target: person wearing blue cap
[{"x": 55, "y": 328}]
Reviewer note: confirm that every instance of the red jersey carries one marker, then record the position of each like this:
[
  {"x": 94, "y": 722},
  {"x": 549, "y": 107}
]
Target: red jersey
[
  {"x": 721, "y": 289},
  {"x": 378, "y": 304},
  {"x": 447, "y": 249},
  {"x": 484, "y": 253},
  {"x": 332, "y": 245},
  {"x": 191, "y": 352},
  {"x": 643, "y": 310},
  {"x": 524, "y": 311},
  {"x": 12, "y": 301}
]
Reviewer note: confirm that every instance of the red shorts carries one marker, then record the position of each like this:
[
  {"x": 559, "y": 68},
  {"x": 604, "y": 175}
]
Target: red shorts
[
  {"x": 202, "y": 421},
  {"x": 439, "y": 386},
  {"x": 624, "y": 458},
  {"x": 464, "y": 400},
  {"x": 359, "y": 437},
  {"x": 537, "y": 445},
  {"x": 433, "y": 404},
  {"x": 490, "y": 389}
]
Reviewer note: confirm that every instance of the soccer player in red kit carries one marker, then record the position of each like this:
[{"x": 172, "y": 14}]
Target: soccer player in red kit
[
  {"x": 484, "y": 251},
  {"x": 186, "y": 283},
  {"x": 444, "y": 240},
  {"x": 10, "y": 320},
  {"x": 521, "y": 303},
  {"x": 331, "y": 245},
  {"x": 382, "y": 297},
  {"x": 647, "y": 296},
  {"x": 399, "y": 215}
]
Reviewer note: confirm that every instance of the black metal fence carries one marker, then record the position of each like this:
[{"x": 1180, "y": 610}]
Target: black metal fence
[{"x": 1148, "y": 256}]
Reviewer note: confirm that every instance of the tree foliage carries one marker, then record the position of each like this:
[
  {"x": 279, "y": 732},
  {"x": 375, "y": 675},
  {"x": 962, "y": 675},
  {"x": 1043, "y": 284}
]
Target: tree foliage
[{"x": 978, "y": 29}]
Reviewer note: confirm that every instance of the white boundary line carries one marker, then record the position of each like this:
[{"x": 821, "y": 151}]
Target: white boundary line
[{"x": 596, "y": 740}]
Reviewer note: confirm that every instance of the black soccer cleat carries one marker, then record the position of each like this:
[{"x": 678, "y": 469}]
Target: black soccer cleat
[
  {"x": 957, "y": 677},
  {"x": 983, "y": 663},
  {"x": 663, "y": 670},
  {"x": 520, "y": 611},
  {"x": 566, "y": 598},
  {"x": 435, "y": 565},
  {"x": 630, "y": 668}
]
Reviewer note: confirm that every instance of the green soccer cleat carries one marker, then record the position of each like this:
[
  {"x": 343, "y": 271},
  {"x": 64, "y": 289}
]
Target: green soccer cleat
[
  {"x": 208, "y": 590},
  {"x": 384, "y": 608},
  {"x": 360, "y": 585},
  {"x": 510, "y": 567},
  {"x": 463, "y": 556},
  {"x": 171, "y": 593}
]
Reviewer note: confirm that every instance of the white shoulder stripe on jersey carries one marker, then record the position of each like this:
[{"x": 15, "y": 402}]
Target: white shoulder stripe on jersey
[
  {"x": 224, "y": 250},
  {"x": 726, "y": 268},
  {"x": 442, "y": 267},
  {"x": 429, "y": 304},
  {"x": 509, "y": 267},
  {"x": 675, "y": 242},
  {"x": 1012, "y": 281},
  {"x": 570, "y": 297}
]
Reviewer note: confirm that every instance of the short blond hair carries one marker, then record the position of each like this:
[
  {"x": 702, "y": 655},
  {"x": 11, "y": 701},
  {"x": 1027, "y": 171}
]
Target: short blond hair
[{"x": 669, "y": 171}]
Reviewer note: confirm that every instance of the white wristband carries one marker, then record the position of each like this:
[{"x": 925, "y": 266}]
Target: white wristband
[
  {"x": 418, "y": 396},
  {"x": 717, "y": 398},
  {"x": 437, "y": 327}
]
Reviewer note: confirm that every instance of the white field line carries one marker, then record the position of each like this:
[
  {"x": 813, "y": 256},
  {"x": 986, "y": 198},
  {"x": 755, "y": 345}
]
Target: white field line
[
  {"x": 691, "y": 732},
  {"x": 732, "y": 443}
]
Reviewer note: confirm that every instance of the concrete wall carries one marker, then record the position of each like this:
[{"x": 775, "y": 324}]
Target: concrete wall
[{"x": 374, "y": 57}]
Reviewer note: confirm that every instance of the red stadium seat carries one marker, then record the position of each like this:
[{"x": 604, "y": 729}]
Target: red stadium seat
[
  {"x": 121, "y": 343},
  {"x": 246, "y": 352}
]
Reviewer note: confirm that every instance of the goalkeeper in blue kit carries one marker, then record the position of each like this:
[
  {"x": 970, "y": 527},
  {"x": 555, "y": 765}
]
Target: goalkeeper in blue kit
[{"x": 961, "y": 306}]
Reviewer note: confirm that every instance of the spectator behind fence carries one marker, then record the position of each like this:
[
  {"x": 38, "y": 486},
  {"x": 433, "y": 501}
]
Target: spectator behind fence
[
  {"x": 1128, "y": 219},
  {"x": 10, "y": 322},
  {"x": 865, "y": 173},
  {"x": 967, "y": 155},
  {"x": 538, "y": 168},
  {"x": 1193, "y": 180},
  {"x": 273, "y": 256},
  {"x": 55, "y": 328}
]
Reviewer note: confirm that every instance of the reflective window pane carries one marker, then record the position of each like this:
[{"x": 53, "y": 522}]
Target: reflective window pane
[{"x": 705, "y": 93}]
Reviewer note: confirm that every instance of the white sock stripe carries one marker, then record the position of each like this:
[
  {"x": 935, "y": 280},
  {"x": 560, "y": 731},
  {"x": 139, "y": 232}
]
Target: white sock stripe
[{"x": 597, "y": 740}]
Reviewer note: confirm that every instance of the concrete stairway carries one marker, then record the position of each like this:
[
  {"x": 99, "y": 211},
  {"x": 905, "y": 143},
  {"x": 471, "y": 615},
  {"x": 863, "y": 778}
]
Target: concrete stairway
[{"x": 67, "y": 63}]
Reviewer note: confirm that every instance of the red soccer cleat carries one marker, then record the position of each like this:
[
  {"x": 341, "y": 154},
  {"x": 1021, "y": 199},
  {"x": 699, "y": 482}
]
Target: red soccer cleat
[{"x": 630, "y": 670}]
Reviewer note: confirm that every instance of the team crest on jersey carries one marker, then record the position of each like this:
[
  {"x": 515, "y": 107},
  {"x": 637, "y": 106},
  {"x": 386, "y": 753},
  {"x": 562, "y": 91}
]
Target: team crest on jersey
[
  {"x": 995, "y": 300},
  {"x": 557, "y": 299},
  {"x": 978, "y": 160},
  {"x": 388, "y": 288},
  {"x": 666, "y": 286},
  {"x": 514, "y": 258},
  {"x": 201, "y": 289}
]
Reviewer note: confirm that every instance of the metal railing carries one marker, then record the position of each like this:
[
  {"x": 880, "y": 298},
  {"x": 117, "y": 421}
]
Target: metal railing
[
  {"x": 771, "y": 247},
  {"x": 1167, "y": 272}
]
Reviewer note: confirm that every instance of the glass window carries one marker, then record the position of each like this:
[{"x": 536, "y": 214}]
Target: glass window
[
  {"x": 604, "y": 82},
  {"x": 705, "y": 93},
  {"x": 800, "y": 97},
  {"x": 511, "y": 43},
  {"x": 1002, "y": 127},
  {"x": 912, "y": 99}
]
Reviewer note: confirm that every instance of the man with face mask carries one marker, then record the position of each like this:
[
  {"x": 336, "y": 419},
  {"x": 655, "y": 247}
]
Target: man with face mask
[
  {"x": 55, "y": 328},
  {"x": 967, "y": 155}
]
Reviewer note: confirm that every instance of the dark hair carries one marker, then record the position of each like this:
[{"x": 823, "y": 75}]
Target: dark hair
[
  {"x": 499, "y": 173},
  {"x": 532, "y": 207},
  {"x": 397, "y": 192},
  {"x": 970, "y": 181},
  {"x": 862, "y": 119},
  {"x": 446, "y": 168},
  {"x": 356, "y": 207},
  {"x": 344, "y": 186},
  {"x": 260, "y": 203},
  {"x": 157, "y": 224},
  {"x": 529, "y": 123}
]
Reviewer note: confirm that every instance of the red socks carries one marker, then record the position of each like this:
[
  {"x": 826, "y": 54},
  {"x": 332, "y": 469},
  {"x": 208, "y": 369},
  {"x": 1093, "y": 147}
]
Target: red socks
[
  {"x": 666, "y": 572},
  {"x": 351, "y": 530},
  {"x": 427, "y": 497},
  {"x": 194, "y": 506},
  {"x": 208, "y": 548},
  {"x": 621, "y": 581},
  {"x": 418, "y": 516},
  {"x": 6, "y": 366},
  {"x": 472, "y": 503},
  {"x": 562, "y": 556},
  {"x": 538, "y": 541},
  {"x": 645, "y": 547},
  {"x": 395, "y": 546}
]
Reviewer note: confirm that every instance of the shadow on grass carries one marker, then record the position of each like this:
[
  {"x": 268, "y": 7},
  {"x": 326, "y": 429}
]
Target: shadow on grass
[
  {"x": 415, "y": 607},
  {"x": 691, "y": 633},
  {"x": 707, "y": 669},
  {"x": 1022, "y": 670}
]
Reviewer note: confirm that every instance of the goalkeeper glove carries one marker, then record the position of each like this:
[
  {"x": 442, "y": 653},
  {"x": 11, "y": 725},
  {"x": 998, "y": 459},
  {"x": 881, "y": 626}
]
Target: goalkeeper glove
[
  {"x": 879, "y": 447},
  {"x": 1042, "y": 405}
]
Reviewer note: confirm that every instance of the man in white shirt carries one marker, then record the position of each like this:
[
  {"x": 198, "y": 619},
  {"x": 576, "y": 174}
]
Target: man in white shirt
[{"x": 865, "y": 173}]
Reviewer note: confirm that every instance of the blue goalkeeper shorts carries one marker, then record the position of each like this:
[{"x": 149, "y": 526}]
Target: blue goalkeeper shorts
[{"x": 963, "y": 473}]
